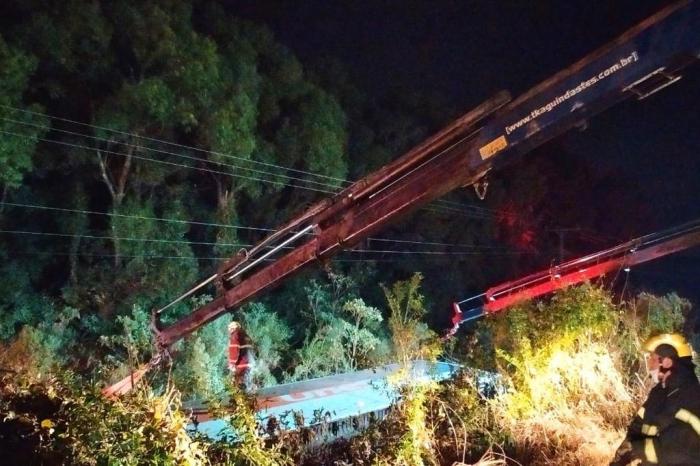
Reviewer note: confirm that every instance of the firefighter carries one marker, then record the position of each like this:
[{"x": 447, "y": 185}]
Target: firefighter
[
  {"x": 666, "y": 429},
  {"x": 240, "y": 354}
]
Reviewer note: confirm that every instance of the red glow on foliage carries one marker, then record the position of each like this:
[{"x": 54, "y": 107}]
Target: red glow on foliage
[{"x": 516, "y": 227}]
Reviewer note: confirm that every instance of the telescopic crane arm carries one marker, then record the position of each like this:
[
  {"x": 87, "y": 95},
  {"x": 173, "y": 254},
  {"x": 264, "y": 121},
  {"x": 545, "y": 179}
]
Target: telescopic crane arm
[
  {"x": 609, "y": 261},
  {"x": 642, "y": 61}
]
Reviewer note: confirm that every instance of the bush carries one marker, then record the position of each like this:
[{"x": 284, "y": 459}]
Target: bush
[
  {"x": 61, "y": 423},
  {"x": 411, "y": 337},
  {"x": 345, "y": 334},
  {"x": 270, "y": 338},
  {"x": 574, "y": 371}
]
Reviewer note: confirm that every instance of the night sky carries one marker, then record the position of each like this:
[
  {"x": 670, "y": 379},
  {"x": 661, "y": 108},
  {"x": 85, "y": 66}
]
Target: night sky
[{"x": 468, "y": 50}]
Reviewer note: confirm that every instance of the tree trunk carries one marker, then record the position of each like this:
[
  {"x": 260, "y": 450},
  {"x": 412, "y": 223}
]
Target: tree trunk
[
  {"x": 224, "y": 214},
  {"x": 116, "y": 184}
]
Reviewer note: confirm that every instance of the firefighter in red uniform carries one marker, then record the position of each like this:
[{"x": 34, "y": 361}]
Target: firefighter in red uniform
[
  {"x": 666, "y": 429},
  {"x": 240, "y": 354}
]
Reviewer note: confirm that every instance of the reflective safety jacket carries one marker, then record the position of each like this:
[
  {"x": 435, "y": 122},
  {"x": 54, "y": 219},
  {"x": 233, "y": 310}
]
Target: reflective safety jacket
[
  {"x": 666, "y": 430},
  {"x": 239, "y": 353}
]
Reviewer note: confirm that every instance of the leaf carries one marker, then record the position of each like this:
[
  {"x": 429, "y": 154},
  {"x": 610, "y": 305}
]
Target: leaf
[{"x": 47, "y": 424}]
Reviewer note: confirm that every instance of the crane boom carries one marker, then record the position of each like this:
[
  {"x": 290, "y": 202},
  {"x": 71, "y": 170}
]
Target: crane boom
[
  {"x": 642, "y": 61},
  {"x": 636, "y": 251}
]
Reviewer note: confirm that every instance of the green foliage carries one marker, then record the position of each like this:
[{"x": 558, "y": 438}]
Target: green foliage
[
  {"x": 566, "y": 315},
  {"x": 16, "y": 150},
  {"x": 16, "y": 69},
  {"x": 137, "y": 270},
  {"x": 35, "y": 351},
  {"x": 199, "y": 365},
  {"x": 529, "y": 336},
  {"x": 19, "y": 304},
  {"x": 71, "y": 40},
  {"x": 62, "y": 424},
  {"x": 140, "y": 72},
  {"x": 346, "y": 334},
  {"x": 200, "y": 370},
  {"x": 573, "y": 370},
  {"x": 135, "y": 336},
  {"x": 415, "y": 446},
  {"x": 148, "y": 100},
  {"x": 412, "y": 339},
  {"x": 243, "y": 444},
  {"x": 357, "y": 334},
  {"x": 270, "y": 338},
  {"x": 322, "y": 134},
  {"x": 664, "y": 314},
  {"x": 192, "y": 74},
  {"x": 202, "y": 374}
]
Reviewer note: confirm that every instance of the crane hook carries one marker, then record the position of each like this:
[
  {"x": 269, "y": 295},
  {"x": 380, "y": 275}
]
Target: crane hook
[{"x": 480, "y": 187}]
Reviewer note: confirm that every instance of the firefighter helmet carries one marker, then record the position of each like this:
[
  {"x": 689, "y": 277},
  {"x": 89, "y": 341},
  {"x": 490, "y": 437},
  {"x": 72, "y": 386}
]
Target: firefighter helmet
[{"x": 676, "y": 340}]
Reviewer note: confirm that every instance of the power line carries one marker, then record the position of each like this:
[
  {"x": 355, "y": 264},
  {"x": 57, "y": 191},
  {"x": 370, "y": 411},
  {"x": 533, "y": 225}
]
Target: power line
[
  {"x": 161, "y": 141},
  {"x": 129, "y": 256},
  {"x": 127, "y": 238},
  {"x": 437, "y": 202},
  {"x": 139, "y": 217},
  {"x": 146, "y": 256},
  {"x": 162, "y": 162},
  {"x": 436, "y": 253},
  {"x": 469, "y": 206},
  {"x": 197, "y": 159},
  {"x": 433, "y": 243},
  {"x": 118, "y": 238},
  {"x": 441, "y": 209},
  {"x": 190, "y": 222}
]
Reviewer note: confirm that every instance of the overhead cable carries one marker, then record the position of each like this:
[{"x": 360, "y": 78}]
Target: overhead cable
[
  {"x": 160, "y": 141},
  {"x": 179, "y": 221},
  {"x": 175, "y": 154},
  {"x": 162, "y": 162},
  {"x": 474, "y": 249},
  {"x": 437, "y": 202},
  {"x": 139, "y": 217}
]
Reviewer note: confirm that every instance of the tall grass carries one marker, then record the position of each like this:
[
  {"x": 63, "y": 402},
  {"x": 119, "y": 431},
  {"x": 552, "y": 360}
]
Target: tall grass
[
  {"x": 573, "y": 373},
  {"x": 572, "y": 409}
]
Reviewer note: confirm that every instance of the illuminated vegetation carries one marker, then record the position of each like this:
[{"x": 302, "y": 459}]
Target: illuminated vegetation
[
  {"x": 567, "y": 380},
  {"x": 104, "y": 221}
]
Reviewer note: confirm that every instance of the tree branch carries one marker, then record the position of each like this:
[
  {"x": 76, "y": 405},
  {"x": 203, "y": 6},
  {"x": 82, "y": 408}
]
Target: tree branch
[
  {"x": 125, "y": 173},
  {"x": 105, "y": 175}
]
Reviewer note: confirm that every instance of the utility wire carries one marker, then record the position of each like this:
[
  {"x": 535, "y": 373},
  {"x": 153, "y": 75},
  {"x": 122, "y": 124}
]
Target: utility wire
[
  {"x": 441, "y": 209},
  {"x": 193, "y": 148},
  {"x": 188, "y": 157},
  {"x": 433, "y": 243},
  {"x": 437, "y": 202},
  {"x": 139, "y": 217},
  {"x": 162, "y": 162},
  {"x": 190, "y": 222},
  {"x": 147, "y": 256},
  {"x": 119, "y": 238},
  {"x": 183, "y": 146},
  {"x": 436, "y": 253},
  {"x": 475, "y": 249},
  {"x": 470, "y": 206}
]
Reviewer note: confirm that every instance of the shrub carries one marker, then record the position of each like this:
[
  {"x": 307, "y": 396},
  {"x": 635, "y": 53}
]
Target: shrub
[
  {"x": 573, "y": 372},
  {"x": 63, "y": 424}
]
